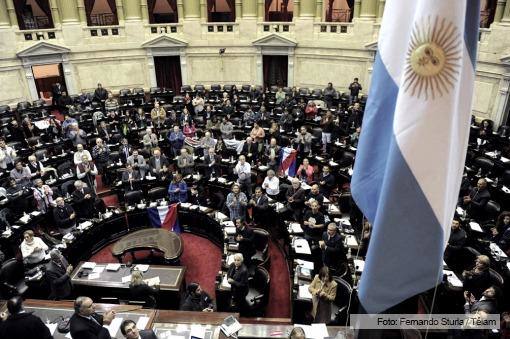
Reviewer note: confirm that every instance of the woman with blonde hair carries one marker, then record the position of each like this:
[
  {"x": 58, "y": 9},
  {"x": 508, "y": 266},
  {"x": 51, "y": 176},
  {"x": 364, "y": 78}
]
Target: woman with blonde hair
[{"x": 141, "y": 291}]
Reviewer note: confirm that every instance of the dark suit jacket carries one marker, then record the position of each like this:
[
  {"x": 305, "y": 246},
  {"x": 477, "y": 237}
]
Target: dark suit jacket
[
  {"x": 246, "y": 244},
  {"x": 216, "y": 167},
  {"x": 478, "y": 283},
  {"x": 252, "y": 148},
  {"x": 56, "y": 90},
  {"x": 61, "y": 216},
  {"x": 163, "y": 162},
  {"x": 488, "y": 305},
  {"x": 298, "y": 195},
  {"x": 334, "y": 253},
  {"x": 24, "y": 326},
  {"x": 240, "y": 283},
  {"x": 84, "y": 207},
  {"x": 125, "y": 176},
  {"x": 261, "y": 204},
  {"x": 145, "y": 293},
  {"x": 83, "y": 328},
  {"x": 59, "y": 280},
  {"x": 148, "y": 334}
]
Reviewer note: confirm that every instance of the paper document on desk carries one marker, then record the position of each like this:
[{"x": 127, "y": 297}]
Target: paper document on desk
[
  {"x": 305, "y": 264},
  {"x": 295, "y": 228},
  {"x": 230, "y": 230},
  {"x": 142, "y": 323},
  {"x": 197, "y": 331},
  {"x": 152, "y": 281},
  {"x": 93, "y": 276},
  {"x": 113, "y": 267},
  {"x": 475, "y": 227},
  {"x": 460, "y": 210},
  {"x": 303, "y": 292},
  {"x": 98, "y": 269},
  {"x": 114, "y": 327},
  {"x": 452, "y": 278},
  {"x": 126, "y": 279},
  {"x": 351, "y": 241},
  {"x": 225, "y": 283},
  {"x": 301, "y": 246},
  {"x": 52, "y": 327},
  {"x": 142, "y": 268},
  {"x": 89, "y": 265}
]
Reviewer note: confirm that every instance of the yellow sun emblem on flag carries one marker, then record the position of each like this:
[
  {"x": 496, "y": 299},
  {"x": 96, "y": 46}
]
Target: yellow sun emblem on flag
[{"x": 433, "y": 58}]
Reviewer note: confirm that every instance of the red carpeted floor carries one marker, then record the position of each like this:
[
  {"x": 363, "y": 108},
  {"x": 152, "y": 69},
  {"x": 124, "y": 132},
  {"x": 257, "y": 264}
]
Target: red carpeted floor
[{"x": 203, "y": 260}]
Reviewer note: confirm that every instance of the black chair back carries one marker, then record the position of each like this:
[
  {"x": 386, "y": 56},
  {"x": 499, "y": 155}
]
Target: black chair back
[
  {"x": 67, "y": 187},
  {"x": 64, "y": 168},
  {"x": 12, "y": 272},
  {"x": 484, "y": 164},
  {"x": 246, "y": 88},
  {"x": 124, "y": 92},
  {"x": 493, "y": 209},
  {"x": 133, "y": 197},
  {"x": 186, "y": 89},
  {"x": 228, "y": 88},
  {"x": 496, "y": 278},
  {"x": 157, "y": 193}
]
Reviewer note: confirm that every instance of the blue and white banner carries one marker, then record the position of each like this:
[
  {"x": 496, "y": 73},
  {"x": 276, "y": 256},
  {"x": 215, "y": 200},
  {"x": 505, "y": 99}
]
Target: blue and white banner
[{"x": 413, "y": 142}]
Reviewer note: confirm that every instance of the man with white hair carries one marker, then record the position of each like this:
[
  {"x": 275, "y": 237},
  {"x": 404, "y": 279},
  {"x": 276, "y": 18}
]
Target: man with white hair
[
  {"x": 58, "y": 274},
  {"x": 87, "y": 171},
  {"x": 243, "y": 172},
  {"x": 150, "y": 139},
  {"x": 185, "y": 162},
  {"x": 80, "y": 152},
  {"x": 77, "y": 135},
  {"x": 207, "y": 142},
  {"x": 84, "y": 200},
  {"x": 64, "y": 216},
  {"x": 295, "y": 196},
  {"x": 101, "y": 156},
  {"x": 43, "y": 195}
]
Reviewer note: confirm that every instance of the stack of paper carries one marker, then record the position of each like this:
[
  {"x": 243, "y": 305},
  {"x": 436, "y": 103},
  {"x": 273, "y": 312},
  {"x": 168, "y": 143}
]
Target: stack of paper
[
  {"x": 305, "y": 264},
  {"x": 225, "y": 283},
  {"x": 314, "y": 331},
  {"x": 88, "y": 265},
  {"x": 301, "y": 246},
  {"x": 475, "y": 227},
  {"x": 452, "y": 278},
  {"x": 230, "y": 230},
  {"x": 114, "y": 326},
  {"x": 113, "y": 267},
  {"x": 142, "y": 268},
  {"x": 295, "y": 228},
  {"x": 152, "y": 281},
  {"x": 303, "y": 292}
]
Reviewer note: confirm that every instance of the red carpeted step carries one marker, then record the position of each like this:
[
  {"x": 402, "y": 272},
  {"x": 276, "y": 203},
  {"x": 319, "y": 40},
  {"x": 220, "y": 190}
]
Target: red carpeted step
[{"x": 279, "y": 293}]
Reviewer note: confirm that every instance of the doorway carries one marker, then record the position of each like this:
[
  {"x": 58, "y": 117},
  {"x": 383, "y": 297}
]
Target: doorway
[
  {"x": 275, "y": 69},
  {"x": 168, "y": 72},
  {"x": 45, "y": 76}
]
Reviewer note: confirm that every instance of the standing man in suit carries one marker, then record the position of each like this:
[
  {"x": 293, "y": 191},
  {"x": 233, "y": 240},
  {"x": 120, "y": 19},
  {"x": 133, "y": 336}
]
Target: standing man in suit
[
  {"x": 100, "y": 94},
  {"x": 137, "y": 161},
  {"x": 85, "y": 323},
  {"x": 64, "y": 216},
  {"x": 259, "y": 203},
  {"x": 332, "y": 247},
  {"x": 124, "y": 150},
  {"x": 84, "y": 200},
  {"x": 56, "y": 91},
  {"x": 244, "y": 236},
  {"x": 58, "y": 274},
  {"x": 158, "y": 165},
  {"x": 130, "y": 178},
  {"x": 237, "y": 277},
  {"x": 212, "y": 163},
  {"x": 130, "y": 331}
]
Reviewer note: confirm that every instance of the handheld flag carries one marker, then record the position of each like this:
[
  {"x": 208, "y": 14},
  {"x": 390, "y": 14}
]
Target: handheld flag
[{"x": 165, "y": 217}]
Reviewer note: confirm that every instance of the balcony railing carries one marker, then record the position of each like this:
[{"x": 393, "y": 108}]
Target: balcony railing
[
  {"x": 331, "y": 28},
  {"x": 275, "y": 27},
  {"x": 103, "y": 31},
  {"x": 168, "y": 28},
  {"x": 220, "y": 27},
  {"x": 37, "y": 34}
]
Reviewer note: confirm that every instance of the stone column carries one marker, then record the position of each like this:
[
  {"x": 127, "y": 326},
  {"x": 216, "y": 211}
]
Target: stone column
[
  {"x": 380, "y": 9},
  {"x": 4, "y": 14},
  {"x": 502, "y": 100},
  {"x": 68, "y": 11},
  {"x": 239, "y": 10},
  {"x": 249, "y": 9},
  {"x": 297, "y": 9},
  {"x": 506, "y": 13},
  {"x": 307, "y": 8},
  {"x": 81, "y": 12},
  {"x": 500, "y": 8},
  {"x": 368, "y": 9},
  {"x": 132, "y": 10},
  {"x": 120, "y": 11},
  {"x": 191, "y": 9},
  {"x": 261, "y": 14},
  {"x": 145, "y": 13},
  {"x": 319, "y": 10},
  {"x": 180, "y": 10},
  {"x": 357, "y": 8},
  {"x": 203, "y": 10},
  {"x": 54, "y": 12}
]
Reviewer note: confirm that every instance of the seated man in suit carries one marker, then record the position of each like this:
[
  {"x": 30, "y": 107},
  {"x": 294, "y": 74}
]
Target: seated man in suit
[
  {"x": 212, "y": 162},
  {"x": 259, "y": 204},
  {"x": 138, "y": 162},
  {"x": 58, "y": 273},
  {"x": 84, "y": 200},
  {"x": 130, "y": 178},
  {"x": 477, "y": 199},
  {"x": 488, "y": 302},
  {"x": 158, "y": 165},
  {"x": 85, "y": 323},
  {"x": 332, "y": 246},
  {"x": 130, "y": 331}
]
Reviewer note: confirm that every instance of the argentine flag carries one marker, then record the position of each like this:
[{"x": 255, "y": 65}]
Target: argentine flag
[{"x": 413, "y": 142}]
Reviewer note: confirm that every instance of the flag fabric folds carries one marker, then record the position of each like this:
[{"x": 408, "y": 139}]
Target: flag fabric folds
[
  {"x": 288, "y": 161},
  {"x": 411, "y": 151},
  {"x": 165, "y": 217}
]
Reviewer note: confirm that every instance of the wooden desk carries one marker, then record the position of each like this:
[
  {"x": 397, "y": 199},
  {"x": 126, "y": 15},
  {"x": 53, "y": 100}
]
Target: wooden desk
[
  {"x": 51, "y": 311},
  {"x": 110, "y": 282},
  {"x": 170, "y": 243}
]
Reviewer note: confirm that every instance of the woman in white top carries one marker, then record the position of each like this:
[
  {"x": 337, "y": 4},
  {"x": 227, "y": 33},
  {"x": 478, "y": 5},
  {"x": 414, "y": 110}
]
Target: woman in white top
[
  {"x": 271, "y": 184},
  {"x": 33, "y": 249}
]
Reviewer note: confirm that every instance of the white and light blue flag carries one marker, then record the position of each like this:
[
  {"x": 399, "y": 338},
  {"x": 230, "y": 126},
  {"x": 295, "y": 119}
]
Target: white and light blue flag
[{"x": 413, "y": 142}]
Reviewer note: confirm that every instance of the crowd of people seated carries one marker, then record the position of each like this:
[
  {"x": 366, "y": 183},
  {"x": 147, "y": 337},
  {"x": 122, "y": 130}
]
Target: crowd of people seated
[{"x": 196, "y": 138}]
